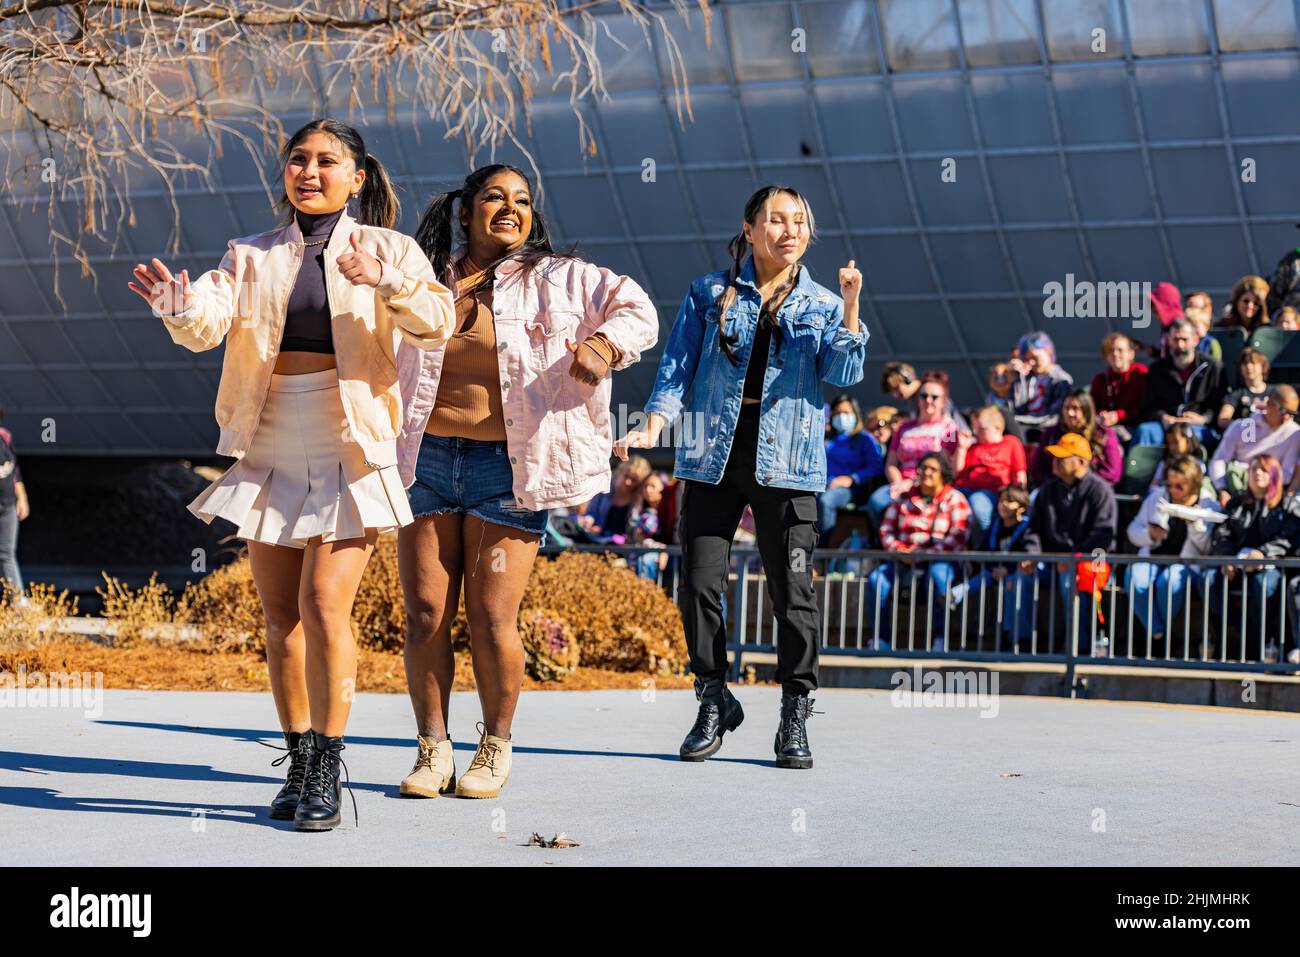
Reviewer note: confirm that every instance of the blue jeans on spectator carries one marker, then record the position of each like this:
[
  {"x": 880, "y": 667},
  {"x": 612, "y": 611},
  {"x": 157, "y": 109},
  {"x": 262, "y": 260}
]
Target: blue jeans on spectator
[
  {"x": 1153, "y": 433},
  {"x": 647, "y": 564},
  {"x": 1017, "y": 600},
  {"x": 1261, "y": 586},
  {"x": 1160, "y": 586},
  {"x": 829, "y": 504},
  {"x": 9, "y": 547},
  {"x": 983, "y": 504},
  {"x": 927, "y": 576}
]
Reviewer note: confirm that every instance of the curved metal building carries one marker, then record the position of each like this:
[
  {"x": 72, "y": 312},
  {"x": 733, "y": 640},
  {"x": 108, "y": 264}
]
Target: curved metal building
[{"x": 964, "y": 152}]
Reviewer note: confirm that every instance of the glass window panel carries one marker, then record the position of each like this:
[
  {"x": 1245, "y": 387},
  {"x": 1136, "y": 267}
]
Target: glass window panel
[
  {"x": 1255, "y": 24},
  {"x": 99, "y": 341},
  {"x": 35, "y": 392},
  {"x": 1095, "y": 105},
  {"x": 1110, "y": 186},
  {"x": 1012, "y": 109},
  {"x": 841, "y": 37},
  {"x": 894, "y": 264},
  {"x": 43, "y": 341},
  {"x": 919, "y": 34},
  {"x": 999, "y": 32},
  {"x": 1071, "y": 27},
  {"x": 630, "y": 66},
  {"x": 932, "y": 113},
  {"x": 1254, "y": 86},
  {"x": 873, "y": 194},
  {"x": 958, "y": 203},
  {"x": 761, "y": 42},
  {"x": 854, "y": 117},
  {"x": 780, "y": 123},
  {"x": 636, "y": 127},
  {"x": 1194, "y": 182},
  {"x": 1178, "y": 99},
  {"x": 1028, "y": 189},
  {"x": 970, "y": 262},
  {"x": 1126, "y": 254},
  {"x": 917, "y": 329},
  {"x": 720, "y": 198},
  {"x": 703, "y": 62},
  {"x": 1165, "y": 27},
  {"x": 658, "y": 208},
  {"x": 1042, "y": 256},
  {"x": 1208, "y": 254},
  {"x": 716, "y": 133}
]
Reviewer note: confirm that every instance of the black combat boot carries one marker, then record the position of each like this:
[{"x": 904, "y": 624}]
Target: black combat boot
[
  {"x": 318, "y": 810},
  {"x": 791, "y": 746},
  {"x": 298, "y": 754},
  {"x": 719, "y": 713}
]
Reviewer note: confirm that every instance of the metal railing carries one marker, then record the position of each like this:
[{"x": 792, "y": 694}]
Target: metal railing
[{"x": 1156, "y": 611}]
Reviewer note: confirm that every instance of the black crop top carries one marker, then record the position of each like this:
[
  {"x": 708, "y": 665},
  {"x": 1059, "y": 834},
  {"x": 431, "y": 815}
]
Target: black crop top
[{"x": 307, "y": 323}]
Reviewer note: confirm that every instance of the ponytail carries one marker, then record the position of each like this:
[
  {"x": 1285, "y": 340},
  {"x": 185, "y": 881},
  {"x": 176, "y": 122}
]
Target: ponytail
[
  {"x": 377, "y": 204},
  {"x": 434, "y": 232}
]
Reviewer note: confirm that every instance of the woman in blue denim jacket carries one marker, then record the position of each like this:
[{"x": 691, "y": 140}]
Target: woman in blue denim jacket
[{"x": 745, "y": 360}]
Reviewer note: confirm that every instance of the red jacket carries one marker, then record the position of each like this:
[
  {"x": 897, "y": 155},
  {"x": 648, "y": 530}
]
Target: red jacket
[
  {"x": 1120, "y": 393},
  {"x": 939, "y": 525}
]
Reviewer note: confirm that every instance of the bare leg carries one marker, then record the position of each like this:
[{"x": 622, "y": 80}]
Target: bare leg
[
  {"x": 429, "y": 561},
  {"x": 498, "y": 561},
  {"x": 331, "y": 573},
  {"x": 277, "y": 571}
]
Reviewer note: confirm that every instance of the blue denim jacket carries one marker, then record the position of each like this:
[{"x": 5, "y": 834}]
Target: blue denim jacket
[{"x": 815, "y": 347}]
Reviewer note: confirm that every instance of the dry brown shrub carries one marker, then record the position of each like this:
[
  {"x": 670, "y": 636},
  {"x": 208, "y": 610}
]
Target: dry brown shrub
[
  {"x": 30, "y": 625},
  {"x": 578, "y": 608}
]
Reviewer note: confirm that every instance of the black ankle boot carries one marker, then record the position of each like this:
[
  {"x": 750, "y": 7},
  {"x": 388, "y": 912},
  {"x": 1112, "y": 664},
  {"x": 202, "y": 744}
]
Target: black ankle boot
[
  {"x": 318, "y": 810},
  {"x": 298, "y": 754},
  {"x": 791, "y": 746},
  {"x": 719, "y": 713}
]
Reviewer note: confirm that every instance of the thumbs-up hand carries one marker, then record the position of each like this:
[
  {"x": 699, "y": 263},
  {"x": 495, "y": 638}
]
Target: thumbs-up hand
[
  {"x": 850, "y": 282},
  {"x": 358, "y": 266}
]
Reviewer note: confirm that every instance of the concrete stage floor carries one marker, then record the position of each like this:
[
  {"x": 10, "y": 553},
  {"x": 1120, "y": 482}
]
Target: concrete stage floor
[{"x": 175, "y": 778}]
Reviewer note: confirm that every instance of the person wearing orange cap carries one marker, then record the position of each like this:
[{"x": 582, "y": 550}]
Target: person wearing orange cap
[{"x": 1075, "y": 513}]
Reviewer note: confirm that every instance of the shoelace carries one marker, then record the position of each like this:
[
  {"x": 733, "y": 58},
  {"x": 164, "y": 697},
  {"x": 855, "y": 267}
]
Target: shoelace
[
  {"x": 486, "y": 755},
  {"x": 803, "y": 709},
  {"x": 315, "y": 782},
  {"x": 297, "y": 770}
]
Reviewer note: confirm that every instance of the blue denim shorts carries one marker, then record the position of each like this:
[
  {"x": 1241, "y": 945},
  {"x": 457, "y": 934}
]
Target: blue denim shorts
[{"x": 473, "y": 477}]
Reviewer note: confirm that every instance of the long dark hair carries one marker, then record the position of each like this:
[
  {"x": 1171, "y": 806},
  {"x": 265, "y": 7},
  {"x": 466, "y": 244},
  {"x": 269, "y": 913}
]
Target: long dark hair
[
  {"x": 434, "y": 234},
  {"x": 377, "y": 203},
  {"x": 739, "y": 247}
]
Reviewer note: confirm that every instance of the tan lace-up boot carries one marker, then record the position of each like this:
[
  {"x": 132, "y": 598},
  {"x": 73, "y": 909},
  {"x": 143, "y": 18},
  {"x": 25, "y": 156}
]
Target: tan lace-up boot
[
  {"x": 434, "y": 772},
  {"x": 489, "y": 770}
]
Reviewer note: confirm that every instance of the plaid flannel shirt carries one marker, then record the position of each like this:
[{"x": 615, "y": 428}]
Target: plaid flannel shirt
[{"x": 939, "y": 525}]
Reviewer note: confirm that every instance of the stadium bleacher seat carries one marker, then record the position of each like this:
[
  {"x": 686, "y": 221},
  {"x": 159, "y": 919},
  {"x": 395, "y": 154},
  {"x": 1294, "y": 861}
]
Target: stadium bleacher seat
[
  {"x": 1231, "y": 341},
  {"x": 1140, "y": 464},
  {"x": 1283, "y": 350}
]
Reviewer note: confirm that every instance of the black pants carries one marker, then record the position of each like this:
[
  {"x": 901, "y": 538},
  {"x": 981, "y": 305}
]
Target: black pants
[{"x": 785, "y": 523}]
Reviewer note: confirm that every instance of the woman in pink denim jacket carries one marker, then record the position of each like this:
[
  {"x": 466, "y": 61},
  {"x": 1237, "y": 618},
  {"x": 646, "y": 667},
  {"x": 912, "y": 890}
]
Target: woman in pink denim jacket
[
  {"x": 310, "y": 314},
  {"x": 506, "y": 421}
]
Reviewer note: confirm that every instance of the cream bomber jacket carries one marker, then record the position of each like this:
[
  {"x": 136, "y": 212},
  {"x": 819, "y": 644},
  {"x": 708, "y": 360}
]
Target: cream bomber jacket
[{"x": 244, "y": 302}]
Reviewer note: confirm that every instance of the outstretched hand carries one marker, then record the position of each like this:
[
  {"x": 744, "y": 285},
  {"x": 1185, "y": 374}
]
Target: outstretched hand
[{"x": 166, "y": 293}]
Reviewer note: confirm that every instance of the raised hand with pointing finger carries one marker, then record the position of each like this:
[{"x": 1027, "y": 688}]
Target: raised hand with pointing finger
[
  {"x": 358, "y": 266},
  {"x": 850, "y": 287}
]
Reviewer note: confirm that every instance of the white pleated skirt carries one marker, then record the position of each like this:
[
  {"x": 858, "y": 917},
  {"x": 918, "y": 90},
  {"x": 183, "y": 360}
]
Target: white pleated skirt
[{"x": 301, "y": 477}]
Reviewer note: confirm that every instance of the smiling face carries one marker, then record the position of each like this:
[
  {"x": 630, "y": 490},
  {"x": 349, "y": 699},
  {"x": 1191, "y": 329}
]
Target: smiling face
[
  {"x": 779, "y": 233},
  {"x": 989, "y": 428},
  {"x": 320, "y": 175},
  {"x": 931, "y": 402},
  {"x": 1248, "y": 306},
  {"x": 499, "y": 217},
  {"x": 929, "y": 477}
]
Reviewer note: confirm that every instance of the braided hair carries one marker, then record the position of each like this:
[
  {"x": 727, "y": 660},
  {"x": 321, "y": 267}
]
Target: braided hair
[{"x": 739, "y": 247}]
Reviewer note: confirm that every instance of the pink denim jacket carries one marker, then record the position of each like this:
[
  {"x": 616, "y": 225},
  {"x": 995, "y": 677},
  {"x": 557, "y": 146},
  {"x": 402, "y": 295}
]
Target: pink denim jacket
[{"x": 557, "y": 429}]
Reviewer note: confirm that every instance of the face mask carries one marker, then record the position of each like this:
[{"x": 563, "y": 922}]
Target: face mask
[{"x": 843, "y": 422}]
